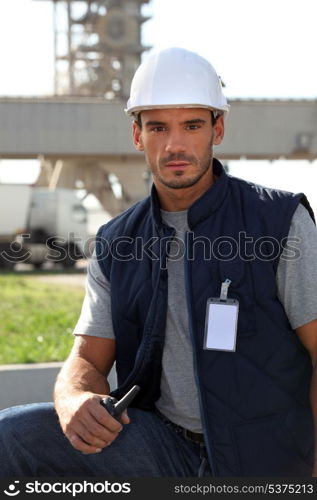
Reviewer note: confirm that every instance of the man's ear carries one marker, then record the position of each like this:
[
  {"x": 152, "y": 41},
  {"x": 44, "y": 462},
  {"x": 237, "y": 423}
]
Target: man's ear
[
  {"x": 219, "y": 130},
  {"x": 137, "y": 138}
]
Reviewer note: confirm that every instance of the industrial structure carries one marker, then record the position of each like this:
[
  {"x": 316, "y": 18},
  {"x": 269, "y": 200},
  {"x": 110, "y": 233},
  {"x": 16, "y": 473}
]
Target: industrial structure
[
  {"x": 82, "y": 135},
  {"x": 97, "y": 46}
]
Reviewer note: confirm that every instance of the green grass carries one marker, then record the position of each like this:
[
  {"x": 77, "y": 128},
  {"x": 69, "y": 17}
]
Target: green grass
[{"x": 36, "y": 319}]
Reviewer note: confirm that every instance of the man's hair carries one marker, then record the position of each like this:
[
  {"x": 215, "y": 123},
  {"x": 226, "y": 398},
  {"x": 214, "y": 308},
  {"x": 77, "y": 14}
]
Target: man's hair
[{"x": 214, "y": 117}]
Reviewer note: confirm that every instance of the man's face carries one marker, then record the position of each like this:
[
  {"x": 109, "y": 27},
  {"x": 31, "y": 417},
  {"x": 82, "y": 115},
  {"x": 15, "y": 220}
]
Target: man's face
[{"x": 178, "y": 144}]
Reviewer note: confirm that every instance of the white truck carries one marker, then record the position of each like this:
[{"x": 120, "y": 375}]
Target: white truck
[{"x": 39, "y": 225}]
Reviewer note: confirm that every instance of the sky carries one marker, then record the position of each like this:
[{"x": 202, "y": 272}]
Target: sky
[{"x": 260, "y": 48}]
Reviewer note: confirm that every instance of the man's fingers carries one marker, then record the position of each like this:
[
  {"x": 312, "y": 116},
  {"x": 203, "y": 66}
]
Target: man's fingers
[
  {"x": 124, "y": 418},
  {"x": 98, "y": 426},
  {"x": 94, "y": 440},
  {"x": 80, "y": 445},
  {"x": 91, "y": 428},
  {"x": 92, "y": 433},
  {"x": 108, "y": 421},
  {"x": 96, "y": 418}
]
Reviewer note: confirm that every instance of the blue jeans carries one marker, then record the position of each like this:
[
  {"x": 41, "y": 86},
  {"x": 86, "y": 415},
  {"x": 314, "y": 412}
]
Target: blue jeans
[{"x": 33, "y": 444}]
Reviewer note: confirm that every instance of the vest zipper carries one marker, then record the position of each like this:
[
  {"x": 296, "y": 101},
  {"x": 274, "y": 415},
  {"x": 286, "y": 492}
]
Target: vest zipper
[{"x": 194, "y": 344}]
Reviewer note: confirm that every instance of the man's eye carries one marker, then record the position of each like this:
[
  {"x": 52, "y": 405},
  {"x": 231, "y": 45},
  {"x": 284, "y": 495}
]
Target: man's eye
[
  {"x": 193, "y": 127},
  {"x": 158, "y": 129}
]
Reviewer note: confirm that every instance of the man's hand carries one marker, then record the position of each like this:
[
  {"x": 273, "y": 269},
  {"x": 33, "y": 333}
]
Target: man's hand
[
  {"x": 80, "y": 385},
  {"x": 87, "y": 425}
]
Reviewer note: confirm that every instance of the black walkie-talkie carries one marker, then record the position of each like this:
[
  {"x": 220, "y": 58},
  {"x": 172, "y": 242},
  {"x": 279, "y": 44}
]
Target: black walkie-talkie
[{"x": 115, "y": 407}]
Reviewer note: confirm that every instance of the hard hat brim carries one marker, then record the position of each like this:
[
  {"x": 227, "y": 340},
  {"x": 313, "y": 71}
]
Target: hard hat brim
[{"x": 137, "y": 109}]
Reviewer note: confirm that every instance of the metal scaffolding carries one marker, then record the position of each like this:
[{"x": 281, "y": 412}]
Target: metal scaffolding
[{"x": 97, "y": 46}]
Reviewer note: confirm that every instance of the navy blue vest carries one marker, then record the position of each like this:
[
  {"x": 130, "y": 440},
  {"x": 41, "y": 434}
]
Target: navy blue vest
[{"x": 254, "y": 402}]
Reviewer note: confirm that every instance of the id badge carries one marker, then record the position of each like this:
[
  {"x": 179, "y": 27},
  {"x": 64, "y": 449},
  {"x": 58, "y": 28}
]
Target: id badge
[{"x": 221, "y": 324}]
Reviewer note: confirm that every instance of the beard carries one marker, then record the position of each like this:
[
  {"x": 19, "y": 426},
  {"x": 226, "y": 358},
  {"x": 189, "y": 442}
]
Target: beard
[{"x": 181, "y": 179}]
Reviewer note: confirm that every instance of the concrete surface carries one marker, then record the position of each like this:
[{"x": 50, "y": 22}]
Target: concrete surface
[{"x": 31, "y": 383}]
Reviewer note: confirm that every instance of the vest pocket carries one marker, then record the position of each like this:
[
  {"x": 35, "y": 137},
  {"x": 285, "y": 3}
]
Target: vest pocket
[{"x": 264, "y": 447}]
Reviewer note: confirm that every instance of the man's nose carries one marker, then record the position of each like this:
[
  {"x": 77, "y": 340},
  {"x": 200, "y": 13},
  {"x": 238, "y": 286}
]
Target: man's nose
[{"x": 175, "y": 143}]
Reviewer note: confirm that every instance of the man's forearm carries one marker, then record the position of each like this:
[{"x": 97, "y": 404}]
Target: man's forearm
[{"x": 78, "y": 375}]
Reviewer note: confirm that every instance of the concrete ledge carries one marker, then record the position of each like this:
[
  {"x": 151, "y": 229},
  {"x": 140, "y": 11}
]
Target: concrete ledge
[{"x": 31, "y": 383}]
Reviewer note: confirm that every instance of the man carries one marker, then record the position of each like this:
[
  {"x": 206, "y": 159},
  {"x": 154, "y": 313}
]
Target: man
[{"x": 162, "y": 301}]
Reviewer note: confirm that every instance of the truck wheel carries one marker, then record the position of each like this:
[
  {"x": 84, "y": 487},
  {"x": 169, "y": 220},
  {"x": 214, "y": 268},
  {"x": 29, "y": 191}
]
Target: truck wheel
[
  {"x": 6, "y": 265},
  {"x": 69, "y": 260},
  {"x": 68, "y": 263},
  {"x": 6, "y": 249}
]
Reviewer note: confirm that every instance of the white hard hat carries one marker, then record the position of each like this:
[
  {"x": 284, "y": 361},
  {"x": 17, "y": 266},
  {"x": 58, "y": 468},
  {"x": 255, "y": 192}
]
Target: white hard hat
[{"x": 176, "y": 78}]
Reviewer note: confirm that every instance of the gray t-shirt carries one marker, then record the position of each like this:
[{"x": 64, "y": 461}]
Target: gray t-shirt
[{"x": 297, "y": 290}]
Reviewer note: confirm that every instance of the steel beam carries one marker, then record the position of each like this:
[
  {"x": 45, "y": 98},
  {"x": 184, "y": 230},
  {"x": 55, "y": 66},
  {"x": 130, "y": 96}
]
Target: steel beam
[{"x": 61, "y": 127}]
